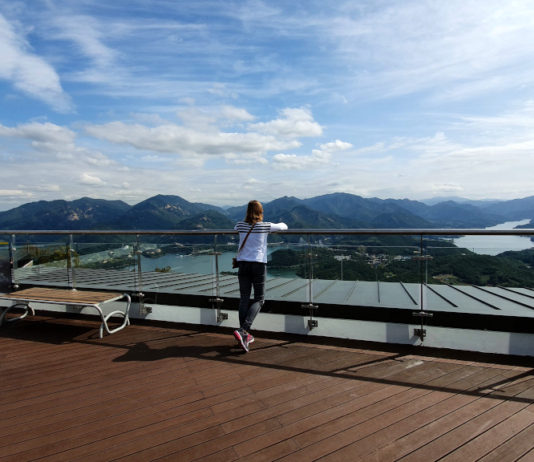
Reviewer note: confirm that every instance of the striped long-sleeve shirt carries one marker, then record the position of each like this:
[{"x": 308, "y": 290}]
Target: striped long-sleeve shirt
[{"x": 255, "y": 249}]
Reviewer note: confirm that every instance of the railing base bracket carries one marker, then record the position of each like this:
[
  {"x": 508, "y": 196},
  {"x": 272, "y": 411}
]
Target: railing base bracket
[
  {"x": 421, "y": 333},
  {"x": 312, "y": 323}
]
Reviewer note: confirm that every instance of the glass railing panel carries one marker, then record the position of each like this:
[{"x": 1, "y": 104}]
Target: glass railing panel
[
  {"x": 177, "y": 258},
  {"x": 289, "y": 287},
  {"x": 483, "y": 266},
  {"x": 371, "y": 271},
  {"x": 44, "y": 261},
  {"x": 105, "y": 262},
  {"x": 183, "y": 266},
  {"x": 488, "y": 277},
  {"x": 340, "y": 272}
]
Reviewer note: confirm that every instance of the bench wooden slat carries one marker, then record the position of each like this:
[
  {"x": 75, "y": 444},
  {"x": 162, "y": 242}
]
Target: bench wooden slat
[{"x": 67, "y": 296}]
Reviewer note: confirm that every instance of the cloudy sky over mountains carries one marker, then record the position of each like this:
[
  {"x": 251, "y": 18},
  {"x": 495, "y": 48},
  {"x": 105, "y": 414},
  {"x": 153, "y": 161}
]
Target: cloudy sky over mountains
[{"x": 223, "y": 101}]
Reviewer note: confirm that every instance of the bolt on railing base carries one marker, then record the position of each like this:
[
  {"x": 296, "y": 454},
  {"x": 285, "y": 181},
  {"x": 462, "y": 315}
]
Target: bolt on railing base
[
  {"x": 421, "y": 333},
  {"x": 312, "y": 323},
  {"x": 143, "y": 309},
  {"x": 216, "y": 303}
]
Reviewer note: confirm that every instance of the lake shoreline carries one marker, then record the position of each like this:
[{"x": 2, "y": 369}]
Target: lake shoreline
[{"x": 495, "y": 245}]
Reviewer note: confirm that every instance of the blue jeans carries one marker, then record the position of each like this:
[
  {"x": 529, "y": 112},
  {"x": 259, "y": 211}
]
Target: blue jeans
[{"x": 250, "y": 275}]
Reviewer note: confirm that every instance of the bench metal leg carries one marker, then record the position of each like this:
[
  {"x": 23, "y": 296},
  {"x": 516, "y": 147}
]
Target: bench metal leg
[
  {"x": 25, "y": 306},
  {"x": 124, "y": 314},
  {"x": 103, "y": 326}
]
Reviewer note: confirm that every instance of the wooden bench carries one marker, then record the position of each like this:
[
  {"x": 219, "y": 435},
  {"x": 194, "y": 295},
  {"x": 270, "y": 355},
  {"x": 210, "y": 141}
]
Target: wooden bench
[{"x": 81, "y": 298}]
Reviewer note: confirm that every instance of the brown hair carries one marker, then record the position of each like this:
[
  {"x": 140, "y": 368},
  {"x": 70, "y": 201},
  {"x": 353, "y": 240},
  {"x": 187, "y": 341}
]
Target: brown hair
[{"x": 254, "y": 212}]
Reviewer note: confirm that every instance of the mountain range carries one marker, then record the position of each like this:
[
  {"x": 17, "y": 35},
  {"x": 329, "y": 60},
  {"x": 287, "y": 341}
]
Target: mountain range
[{"x": 334, "y": 211}]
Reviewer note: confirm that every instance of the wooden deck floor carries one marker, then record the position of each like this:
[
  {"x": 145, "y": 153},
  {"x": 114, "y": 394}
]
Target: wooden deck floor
[{"x": 181, "y": 393}]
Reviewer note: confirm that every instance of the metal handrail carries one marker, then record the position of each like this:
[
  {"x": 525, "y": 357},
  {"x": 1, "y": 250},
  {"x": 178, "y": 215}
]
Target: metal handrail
[{"x": 359, "y": 231}]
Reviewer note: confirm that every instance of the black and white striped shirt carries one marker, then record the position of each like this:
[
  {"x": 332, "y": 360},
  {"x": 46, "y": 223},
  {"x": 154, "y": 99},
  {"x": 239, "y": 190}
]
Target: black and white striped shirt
[{"x": 255, "y": 249}]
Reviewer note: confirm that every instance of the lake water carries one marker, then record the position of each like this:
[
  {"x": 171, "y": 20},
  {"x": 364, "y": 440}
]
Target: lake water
[
  {"x": 494, "y": 245},
  {"x": 201, "y": 264}
]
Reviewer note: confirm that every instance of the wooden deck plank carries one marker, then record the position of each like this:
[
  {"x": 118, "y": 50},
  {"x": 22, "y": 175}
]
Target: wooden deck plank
[
  {"x": 379, "y": 430},
  {"x": 468, "y": 430},
  {"x": 313, "y": 402},
  {"x": 477, "y": 447},
  {"x": 462, "y": 409},
  {"x": 166, "y": 393},
  {"x": 365, "y": 446},
  {"x": 119, "y": 385},
  {"x": 514, "y": 448},
  {"x": 228, "y": 415}
]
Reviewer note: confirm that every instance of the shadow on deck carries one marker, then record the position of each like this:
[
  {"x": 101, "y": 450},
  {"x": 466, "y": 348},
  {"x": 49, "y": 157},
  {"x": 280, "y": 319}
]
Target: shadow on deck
[{"x": 174, "y": 392}]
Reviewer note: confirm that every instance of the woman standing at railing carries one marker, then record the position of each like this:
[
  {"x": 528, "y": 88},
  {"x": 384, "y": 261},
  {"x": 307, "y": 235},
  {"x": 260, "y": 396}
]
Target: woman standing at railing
[{"x": 252, "y": 263}]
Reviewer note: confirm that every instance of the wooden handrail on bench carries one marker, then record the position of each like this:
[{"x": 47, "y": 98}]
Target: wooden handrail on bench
[{"x": 82, "y": 298}]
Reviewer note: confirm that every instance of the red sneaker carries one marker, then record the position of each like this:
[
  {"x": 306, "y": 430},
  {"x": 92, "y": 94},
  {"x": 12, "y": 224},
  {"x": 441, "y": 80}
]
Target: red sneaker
[
  {"x": 240, "y": 339},
  {"x": 248, "y": 340}
]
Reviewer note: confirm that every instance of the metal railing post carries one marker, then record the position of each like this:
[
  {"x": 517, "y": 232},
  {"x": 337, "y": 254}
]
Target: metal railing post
[
  {"x": 141, "y": 296},
  {"x": 217, "y": 301},
  {"x": 71, "y": 274},
  {"x": 312, "y": 323},
  {"x": 423, "y": 276},
  {"x": 13, "y": 262}
]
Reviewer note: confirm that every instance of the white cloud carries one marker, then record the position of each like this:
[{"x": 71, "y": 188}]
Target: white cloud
[
  {"x": 244, "y": 159},
  {"x": 28, "y": 72},
  {"x": 98, "y": 159},
  {"x": 336, "y": 145},
  {"x": 235, "y": 113},
  {"x": 446, "y": 188},
  {"x": 515, "y": 123},
  {"x": 14, "y": 192},
  {"x": 253, "y": 182},
  {"x": 207, "y": 118},
  {"x": 293, "y": 123},
  {"x": 377, "y": 147},
  {"x": 318, "y": 158},
  {"x": 42, "y": 135},
  {"x": 202, "y": 137},
  {"x": 182, "y": 140},
  {"x": 86, "y": 32},
  {"x": 89, "y": 179},
  {"x": 48, "y": 188},
  {"x": 457, "y": 49},
  {"x": 55, "y": 143},
  {"x": 97, "y": 63}
]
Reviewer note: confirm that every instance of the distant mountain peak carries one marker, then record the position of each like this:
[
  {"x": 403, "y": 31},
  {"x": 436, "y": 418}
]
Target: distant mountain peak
[{"x": 335, "y": 210}]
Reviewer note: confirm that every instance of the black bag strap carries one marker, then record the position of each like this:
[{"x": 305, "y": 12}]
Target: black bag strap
[{"x": 246, "y": 237}]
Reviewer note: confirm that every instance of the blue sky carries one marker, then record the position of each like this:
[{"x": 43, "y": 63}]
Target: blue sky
[{"x": 224, "y": 101}]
